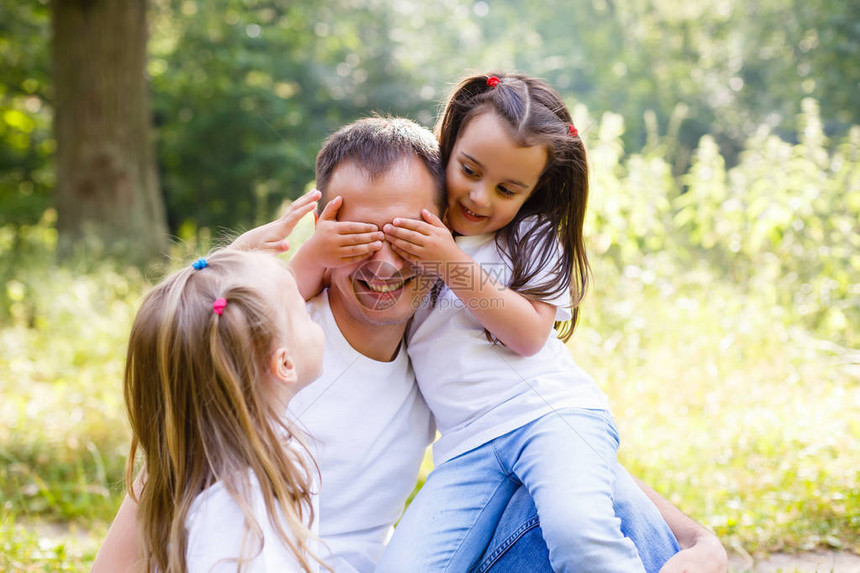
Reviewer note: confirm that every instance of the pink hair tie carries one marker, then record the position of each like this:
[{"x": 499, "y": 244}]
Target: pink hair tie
[
  {"x": 218, "y": 306},
  {"x": 493, "y": 81},
  {"x": 573, "y": 131}
]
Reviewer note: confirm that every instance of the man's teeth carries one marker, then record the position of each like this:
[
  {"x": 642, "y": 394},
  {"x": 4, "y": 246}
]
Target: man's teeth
[{"x": 385, "y": 287}]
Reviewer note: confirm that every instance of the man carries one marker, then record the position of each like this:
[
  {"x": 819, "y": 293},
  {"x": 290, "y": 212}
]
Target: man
[
  {"x": 367, "y": 421},
  {"x": 365, "y": 414}
]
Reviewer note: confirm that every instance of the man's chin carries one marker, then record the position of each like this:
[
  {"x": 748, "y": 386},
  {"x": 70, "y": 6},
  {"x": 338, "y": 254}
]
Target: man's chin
[
  {"x": 397, "y": 313},
  {"x": 377, "y": 301}
]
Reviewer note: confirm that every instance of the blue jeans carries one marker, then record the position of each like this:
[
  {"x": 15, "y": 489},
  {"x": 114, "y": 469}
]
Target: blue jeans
[
  {"x": 566, "y": 460},
  {"x": 518, "y": 545}
]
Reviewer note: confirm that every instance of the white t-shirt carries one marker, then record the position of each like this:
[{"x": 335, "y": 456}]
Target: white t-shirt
[
  {"x": 217, "y": 530},
  {"x": 478, "y": 391},
  {"x": 369, "y": 428}
]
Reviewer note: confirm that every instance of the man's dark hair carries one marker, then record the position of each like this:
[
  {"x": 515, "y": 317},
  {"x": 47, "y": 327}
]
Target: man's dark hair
[{"x": 375, "y": 145}]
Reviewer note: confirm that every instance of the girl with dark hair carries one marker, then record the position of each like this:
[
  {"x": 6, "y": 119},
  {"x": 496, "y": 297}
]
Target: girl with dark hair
[{"x": 511, "y": 404}]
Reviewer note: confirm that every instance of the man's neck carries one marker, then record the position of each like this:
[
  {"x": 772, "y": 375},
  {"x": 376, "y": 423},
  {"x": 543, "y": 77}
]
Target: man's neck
[{"x": 377, "y": 342}]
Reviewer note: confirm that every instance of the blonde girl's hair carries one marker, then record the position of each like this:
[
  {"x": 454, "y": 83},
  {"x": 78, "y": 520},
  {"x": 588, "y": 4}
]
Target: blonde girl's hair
[
  {"x": 535, "y": 115},
  {"x": 194, "y": 394}
]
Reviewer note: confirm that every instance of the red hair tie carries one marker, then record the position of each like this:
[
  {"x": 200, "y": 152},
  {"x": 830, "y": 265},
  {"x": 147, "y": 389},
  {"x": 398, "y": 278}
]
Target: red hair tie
[
  {"x": 218, "y": 306},
  {"x": 572, "y": 129},
  {"x": 493, "y": 81}
]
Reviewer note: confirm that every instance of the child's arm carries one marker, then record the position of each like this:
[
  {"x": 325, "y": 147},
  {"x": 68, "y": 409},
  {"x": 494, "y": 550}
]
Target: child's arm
[
  {"x": 333, "y": 244},
  {"x": 521, "y": 324},
  {"x": 120, "y": 551}
]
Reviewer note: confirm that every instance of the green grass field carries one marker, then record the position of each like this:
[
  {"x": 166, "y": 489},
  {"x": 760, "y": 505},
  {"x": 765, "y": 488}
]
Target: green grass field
[{"x": 740, "y": 417}]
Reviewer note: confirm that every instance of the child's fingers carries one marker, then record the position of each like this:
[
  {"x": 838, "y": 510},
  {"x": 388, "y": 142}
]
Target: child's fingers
[
  {"x": 272, "y": 236},
  {"x": 310, "y": 197},
  {"x": 405, "y": 255},
  {"x": 303, "y": 204},
  {"x": 406, "y": 246},
  {"x": 352, "y": 228},
  {"x": 355, "y": 259},
  {"x": 345, "y": 240},
  {"x": 404, "y": 234},
  {"x": 362, "y": 250},
  {"x": 432, "y": 218},
  {"x": 274, "y": 245},
  {"x": 412, "y": 225},
  {"x": 293, "y": 215},
  {"x": 329, "y": 212},
  {"x": 262, "y": 238}
]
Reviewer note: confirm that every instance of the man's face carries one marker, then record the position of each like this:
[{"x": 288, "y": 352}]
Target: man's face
[{"x": 383, "y": 289}]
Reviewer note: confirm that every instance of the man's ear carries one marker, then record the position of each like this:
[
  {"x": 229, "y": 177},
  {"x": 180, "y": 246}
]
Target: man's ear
[{"x": 283, "y": 367}]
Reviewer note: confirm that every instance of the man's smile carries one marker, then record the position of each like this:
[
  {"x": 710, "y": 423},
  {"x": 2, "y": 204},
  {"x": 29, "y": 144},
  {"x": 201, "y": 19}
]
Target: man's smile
[{"x": 381, "y": 286}]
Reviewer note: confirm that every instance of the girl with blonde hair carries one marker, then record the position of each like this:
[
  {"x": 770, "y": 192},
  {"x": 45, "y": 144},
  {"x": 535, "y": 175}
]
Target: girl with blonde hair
[{"x": 215, "y": 354}]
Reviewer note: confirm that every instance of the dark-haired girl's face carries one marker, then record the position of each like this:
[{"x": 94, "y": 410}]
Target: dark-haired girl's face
[{"x": 489, "y": 176}]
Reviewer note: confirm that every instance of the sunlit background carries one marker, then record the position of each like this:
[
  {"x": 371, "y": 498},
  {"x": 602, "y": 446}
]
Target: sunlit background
[{"x": 723, "y": 230}]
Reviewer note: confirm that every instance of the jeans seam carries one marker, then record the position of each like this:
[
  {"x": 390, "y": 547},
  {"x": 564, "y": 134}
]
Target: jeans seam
[
  {"x": 499, "y": 459},
  {"x": 477, "y": 517},
  {"x": 612, "y": 428},
  {"x": 507, "y": 543}
]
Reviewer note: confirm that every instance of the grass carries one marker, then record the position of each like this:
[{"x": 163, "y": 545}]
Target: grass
[
  {"x": 64, "y": 434},
  {"x": 33, "y": 546},
  {"x": 741, "y": 419},
  {"x": 725, "y": 405}
]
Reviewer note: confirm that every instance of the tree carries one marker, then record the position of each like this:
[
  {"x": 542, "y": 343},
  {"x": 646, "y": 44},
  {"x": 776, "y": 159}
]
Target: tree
[
  {"x": 244, "y": 94},
  {"x": 107, "y": 183}
]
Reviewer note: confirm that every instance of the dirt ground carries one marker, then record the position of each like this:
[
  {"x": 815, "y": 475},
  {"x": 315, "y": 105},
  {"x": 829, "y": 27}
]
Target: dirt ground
[
  {"x": 807, "y": 562},
  {"x": 820, "y": 561}
]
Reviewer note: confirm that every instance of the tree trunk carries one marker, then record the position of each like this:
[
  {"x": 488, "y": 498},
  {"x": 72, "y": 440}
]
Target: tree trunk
[{"x": 107, "y": 183}]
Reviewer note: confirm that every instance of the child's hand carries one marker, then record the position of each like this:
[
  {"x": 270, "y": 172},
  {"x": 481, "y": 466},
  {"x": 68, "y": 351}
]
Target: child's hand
[
  {"x": 428, "y": 243},
  {"x": 337, "y": 243},
  {"x": 272, "y": 237}
]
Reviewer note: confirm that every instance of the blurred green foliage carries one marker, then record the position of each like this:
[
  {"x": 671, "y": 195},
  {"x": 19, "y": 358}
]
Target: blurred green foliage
[
  {"x": 244, "y": 91},
  {"x": 783, "y": 222},
  {"x": 26, "y": 143},
  {"x": 62, "y": 442}
]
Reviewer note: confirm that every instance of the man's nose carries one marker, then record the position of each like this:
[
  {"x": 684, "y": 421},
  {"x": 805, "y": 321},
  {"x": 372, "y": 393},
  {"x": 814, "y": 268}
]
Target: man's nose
[{"x": 392, "y": 261}]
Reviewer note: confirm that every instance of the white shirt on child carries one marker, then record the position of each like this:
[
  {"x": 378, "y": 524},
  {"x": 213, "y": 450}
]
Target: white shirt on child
[
  {"x": 479, "y": 391},
  {"x": 368, "y": 428},
  {"x": 216, "y": 532}
]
